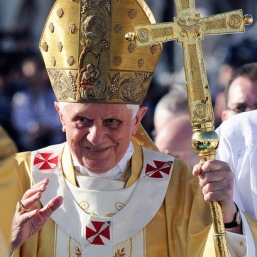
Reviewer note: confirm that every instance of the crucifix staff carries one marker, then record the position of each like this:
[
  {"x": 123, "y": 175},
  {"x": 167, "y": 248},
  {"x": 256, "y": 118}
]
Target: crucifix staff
[{"x": 189, "y": 29}]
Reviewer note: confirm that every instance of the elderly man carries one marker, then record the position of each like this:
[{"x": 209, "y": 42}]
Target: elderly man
[
  {"x": 172, "y": 104},
  {"x": 107, "y": 191}
]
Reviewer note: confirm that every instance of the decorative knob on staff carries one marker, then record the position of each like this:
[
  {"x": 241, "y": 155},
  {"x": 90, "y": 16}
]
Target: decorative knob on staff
[{"x": 189, "y": 29}]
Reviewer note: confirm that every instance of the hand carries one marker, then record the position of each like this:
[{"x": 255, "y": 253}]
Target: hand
[
  {"x": 216, "y": 181},
  {"x": 26, "y": 224}
]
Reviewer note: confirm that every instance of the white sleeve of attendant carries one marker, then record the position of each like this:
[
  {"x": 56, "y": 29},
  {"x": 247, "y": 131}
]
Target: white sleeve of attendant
[{"x": 241, "y": 245}]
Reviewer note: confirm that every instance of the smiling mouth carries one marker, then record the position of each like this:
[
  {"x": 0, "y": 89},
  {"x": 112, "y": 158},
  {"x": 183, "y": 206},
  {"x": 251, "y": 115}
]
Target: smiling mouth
[{"x": 96, "y": 149}]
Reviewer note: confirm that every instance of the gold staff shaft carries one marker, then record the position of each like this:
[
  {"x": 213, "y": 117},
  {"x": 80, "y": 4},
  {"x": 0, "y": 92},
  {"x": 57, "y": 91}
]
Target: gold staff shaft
[{"x": 204, "y": 139}]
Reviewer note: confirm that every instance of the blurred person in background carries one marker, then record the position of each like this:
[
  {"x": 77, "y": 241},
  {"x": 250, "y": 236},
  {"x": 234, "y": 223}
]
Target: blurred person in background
[
  {"x": 241, "y": 92},
  {"x": 172, "y": 127},
  {"x": 16, "y": 16},
  {"x": 33, "y": 115},
  {"x": 7, "y": 163},
  {"x": 236, "y": 54},
  {"x": 171, "y": 104},
  {"x": 175, "y": 139},
  {"x": 10, "y": 83}
]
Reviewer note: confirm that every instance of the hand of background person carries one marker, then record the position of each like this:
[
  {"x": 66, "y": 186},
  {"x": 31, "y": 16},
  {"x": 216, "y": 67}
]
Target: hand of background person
[
  {"x": 27, "y": 223},
  {"x": 216, "y": 180}
]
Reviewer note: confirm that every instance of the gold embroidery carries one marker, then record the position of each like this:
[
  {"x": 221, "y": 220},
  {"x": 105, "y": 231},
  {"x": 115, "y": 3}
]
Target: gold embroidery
[
  {"x": 72, "y": 28},
  {"x": 74, "y": 248},
  {"x": 120, "y": 253},
  {"x": 53, "y": 61},
  {"x": 117, "y": 61},
  {"x": 60, "y": 47},
  {"x": 123, "y": 249},
  {"x": 154, "y": 49},
  {"x": 119, "y": 206},
  {"x": 51, "y": 27},
  {"x": 60, "y": 12},
  {"x": 141, "y": 63},
  {"x": 84, "y": 205},
  {"x": 131, "y": 48},
  {"x": 132, "y": 14},
  {"x": 118, "y": 29},
  {"x": 70, "y": 60},
  {"x": 45, "y": 46}
]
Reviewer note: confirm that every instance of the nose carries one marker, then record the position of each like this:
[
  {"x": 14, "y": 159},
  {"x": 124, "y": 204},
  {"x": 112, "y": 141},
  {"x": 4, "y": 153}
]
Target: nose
[{"x": 96, "y": 135}]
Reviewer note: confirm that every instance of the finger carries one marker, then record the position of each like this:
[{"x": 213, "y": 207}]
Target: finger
[
  {"x": 197, "y": 169},
  {"x": 31, "y": 202},
  {"x": 210, "y": 177},
  {"x": 221, "y": 196},
  {"x": 32, "y": 195},
  {"x": 27, "y": 216},
  {"x": 43, "y": 181},
  {"x": 217, "y": 186},
  {"x": 211, "y": 167},
  {"x": 38, "y": 187},
  {"x": 221, "y": 190},
  {"x": 51, "y": 206},
  {"x": 215, "y": 165}
]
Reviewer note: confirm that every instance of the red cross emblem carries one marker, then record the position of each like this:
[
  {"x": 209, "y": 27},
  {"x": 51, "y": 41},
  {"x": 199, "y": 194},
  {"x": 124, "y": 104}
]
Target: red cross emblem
[
  {"x": 47, "y": 161},
  {"x": 156, "y": 172},
  {"x": 101, "y": 229}
]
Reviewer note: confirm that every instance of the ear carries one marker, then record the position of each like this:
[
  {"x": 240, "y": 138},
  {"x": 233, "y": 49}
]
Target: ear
[
  {"x": 224, "y": 115},
  {"x": 140, "y": 114},
  {"x": 57, "y": 107}
]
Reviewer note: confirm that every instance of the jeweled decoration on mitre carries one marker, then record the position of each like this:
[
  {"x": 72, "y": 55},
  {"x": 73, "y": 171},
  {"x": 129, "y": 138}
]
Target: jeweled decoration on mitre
[{"x": 87, "y": 56}]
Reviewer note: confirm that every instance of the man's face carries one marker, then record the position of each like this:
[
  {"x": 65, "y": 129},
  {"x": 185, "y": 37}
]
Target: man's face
[
  {"x": 242, "y": 96},
  {"x": 98, "y": 135}
]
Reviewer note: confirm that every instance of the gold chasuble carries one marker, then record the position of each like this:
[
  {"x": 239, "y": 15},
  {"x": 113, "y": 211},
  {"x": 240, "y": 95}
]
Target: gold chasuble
[
  {"x": 162, "y": 212},
  {"x": 7, "y": 205}
]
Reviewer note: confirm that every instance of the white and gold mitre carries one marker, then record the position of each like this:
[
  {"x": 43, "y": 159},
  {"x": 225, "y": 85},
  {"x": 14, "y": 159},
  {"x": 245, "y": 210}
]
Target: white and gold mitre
[{"x": 87, "y": 56}]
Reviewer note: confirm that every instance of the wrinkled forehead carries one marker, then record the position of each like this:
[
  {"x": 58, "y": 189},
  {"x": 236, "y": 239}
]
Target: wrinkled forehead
[
  {"x": 94, "y": 110},
  {"x": 126, "y": 108}
]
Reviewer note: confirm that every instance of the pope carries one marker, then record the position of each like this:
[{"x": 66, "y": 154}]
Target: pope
[{"x": 107, "y": 190}]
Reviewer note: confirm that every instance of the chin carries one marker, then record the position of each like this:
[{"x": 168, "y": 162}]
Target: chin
[{"x": 97, "y": 166}]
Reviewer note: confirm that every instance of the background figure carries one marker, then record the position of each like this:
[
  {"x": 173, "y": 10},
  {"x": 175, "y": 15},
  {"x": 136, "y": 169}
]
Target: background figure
[
  {"x": 236, "y": 54},
  {"x": 241, "y": 92},
  {"x": 175, "y": 139},
  {"x": 34, "y": 117},
  {"x": 17, "y": 15},
  {"x": 171, "y": 104},
  {"x": 7, "y": 164}
]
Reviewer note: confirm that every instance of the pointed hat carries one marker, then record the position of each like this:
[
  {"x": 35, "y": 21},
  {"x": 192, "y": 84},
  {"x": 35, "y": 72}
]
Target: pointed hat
[{"x": 87, "y": 56}]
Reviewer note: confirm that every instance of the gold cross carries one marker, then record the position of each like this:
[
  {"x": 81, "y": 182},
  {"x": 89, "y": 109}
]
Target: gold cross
[{"x": 189, "y": 29}]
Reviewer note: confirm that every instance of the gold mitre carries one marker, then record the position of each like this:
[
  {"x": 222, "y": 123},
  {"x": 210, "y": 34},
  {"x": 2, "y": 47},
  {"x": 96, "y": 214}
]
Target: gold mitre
[{"x": 87, "y": 56}]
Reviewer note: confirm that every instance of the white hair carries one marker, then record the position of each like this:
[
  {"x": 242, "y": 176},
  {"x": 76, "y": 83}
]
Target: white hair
[
  {"x": 62, "y": 106},
  {"x": 132, "y": 107}
]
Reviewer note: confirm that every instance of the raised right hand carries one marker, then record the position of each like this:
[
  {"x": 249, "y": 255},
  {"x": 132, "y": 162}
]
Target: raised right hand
[{"x": 25, "y": 224}]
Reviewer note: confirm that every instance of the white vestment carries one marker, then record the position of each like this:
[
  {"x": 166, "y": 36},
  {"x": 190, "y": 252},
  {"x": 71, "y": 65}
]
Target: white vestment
[{"x": 238, "y": 147}]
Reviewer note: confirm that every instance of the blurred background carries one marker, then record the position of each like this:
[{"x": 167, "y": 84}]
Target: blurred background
[{"x": 26, "y": 98}]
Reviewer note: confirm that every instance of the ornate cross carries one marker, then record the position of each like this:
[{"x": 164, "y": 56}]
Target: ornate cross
[{"x": 189, "y": 29}]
